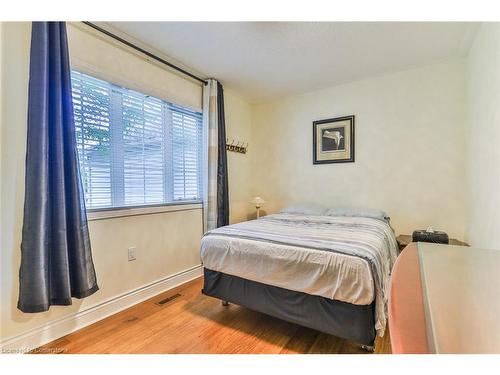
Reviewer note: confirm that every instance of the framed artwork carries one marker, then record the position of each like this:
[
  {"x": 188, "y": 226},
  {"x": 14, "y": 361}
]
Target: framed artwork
[{"x": 333, "y": 140}]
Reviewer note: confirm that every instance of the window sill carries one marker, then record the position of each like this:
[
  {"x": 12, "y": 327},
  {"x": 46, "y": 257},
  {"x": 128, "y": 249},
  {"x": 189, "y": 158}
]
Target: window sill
[{"x": 110, "y": 213}]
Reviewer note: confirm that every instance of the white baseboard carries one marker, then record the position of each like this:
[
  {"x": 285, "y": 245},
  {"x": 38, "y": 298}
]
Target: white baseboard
[{"x": 60, "y": 327}]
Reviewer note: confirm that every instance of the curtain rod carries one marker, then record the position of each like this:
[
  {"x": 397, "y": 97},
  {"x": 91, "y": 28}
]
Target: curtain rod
[{"x": 149, "y": 54}]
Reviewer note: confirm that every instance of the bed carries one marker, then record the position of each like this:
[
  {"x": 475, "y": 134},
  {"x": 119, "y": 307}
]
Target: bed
[{"x": 326, "y": 272}]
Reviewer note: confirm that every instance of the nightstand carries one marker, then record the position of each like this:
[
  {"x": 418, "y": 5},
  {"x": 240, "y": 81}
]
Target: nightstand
[{"x": 405, "y": 239}]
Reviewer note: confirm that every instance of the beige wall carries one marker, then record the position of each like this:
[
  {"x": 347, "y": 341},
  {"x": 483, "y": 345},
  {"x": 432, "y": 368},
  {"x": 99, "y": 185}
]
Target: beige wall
[
  {"x": 125, "y": 67},
  {"x": 167, "y": 243},
  {"x": 15, "y": 38},
  {"x": 483, "y": 138},
  {"x": 410, "y": 157},
  {"x": 409, "y": 148},
  {"x": 238, "y": 127}
]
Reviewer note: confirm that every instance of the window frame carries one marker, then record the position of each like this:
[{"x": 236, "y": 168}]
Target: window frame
[
  {"x": 94, "y": 214},
  {"x": 99, "y": 213}
]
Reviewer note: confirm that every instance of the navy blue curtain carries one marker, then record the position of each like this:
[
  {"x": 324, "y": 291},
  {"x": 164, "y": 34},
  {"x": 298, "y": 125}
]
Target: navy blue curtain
[
  {"x": 222, "y": 181},
  {"x": 56, "y": 259}
]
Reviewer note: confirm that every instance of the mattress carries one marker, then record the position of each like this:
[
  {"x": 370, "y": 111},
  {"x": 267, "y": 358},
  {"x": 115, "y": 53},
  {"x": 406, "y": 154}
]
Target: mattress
[{"x": 342, "y": 258}]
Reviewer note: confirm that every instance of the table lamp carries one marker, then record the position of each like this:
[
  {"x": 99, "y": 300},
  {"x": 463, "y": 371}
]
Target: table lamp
[{"x": 258, "y": 202}]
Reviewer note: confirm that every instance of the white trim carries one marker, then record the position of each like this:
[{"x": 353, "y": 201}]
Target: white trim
[
  {"x": 63, "y": 326},
  {"x": 135, "y": 211}
]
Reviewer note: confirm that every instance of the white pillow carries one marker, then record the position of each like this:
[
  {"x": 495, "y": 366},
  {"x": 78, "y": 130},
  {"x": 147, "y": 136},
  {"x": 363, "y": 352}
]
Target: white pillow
[
  {"x": 357, "y": 212},
  {"x": 304, "y": 209}
]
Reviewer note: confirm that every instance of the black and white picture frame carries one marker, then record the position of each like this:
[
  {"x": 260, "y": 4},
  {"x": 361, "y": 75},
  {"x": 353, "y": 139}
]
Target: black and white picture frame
[{"x": 333, "y": 140}]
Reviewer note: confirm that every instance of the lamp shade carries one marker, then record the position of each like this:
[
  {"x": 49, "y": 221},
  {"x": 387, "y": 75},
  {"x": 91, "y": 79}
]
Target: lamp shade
[{"x": 258, "y": 201}]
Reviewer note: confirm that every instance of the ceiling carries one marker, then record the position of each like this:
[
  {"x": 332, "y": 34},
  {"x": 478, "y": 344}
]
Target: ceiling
[{"x": 267, "y": 60}]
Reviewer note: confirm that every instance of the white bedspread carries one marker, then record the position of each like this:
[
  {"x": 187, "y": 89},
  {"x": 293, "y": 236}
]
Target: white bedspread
[{"x": 343, "y": 258}]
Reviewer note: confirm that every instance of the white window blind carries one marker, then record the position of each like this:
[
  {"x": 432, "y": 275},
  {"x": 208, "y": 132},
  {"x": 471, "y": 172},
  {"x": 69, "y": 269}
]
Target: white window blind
[{"x": 134, "y": 149}]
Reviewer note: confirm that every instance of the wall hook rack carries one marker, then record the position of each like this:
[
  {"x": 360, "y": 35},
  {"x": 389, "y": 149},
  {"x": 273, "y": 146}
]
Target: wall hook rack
[{"x": 239, "y": 147}]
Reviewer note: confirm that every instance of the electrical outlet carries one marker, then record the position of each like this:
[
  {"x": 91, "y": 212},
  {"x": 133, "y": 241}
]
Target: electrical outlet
[{"x": 132, "y": 253}]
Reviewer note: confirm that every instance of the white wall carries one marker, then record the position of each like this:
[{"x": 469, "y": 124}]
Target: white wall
[
  {"x": 409, "y": 148},
  {"x": 167, "y": 243},
  {"x": 483, "y": 138}
]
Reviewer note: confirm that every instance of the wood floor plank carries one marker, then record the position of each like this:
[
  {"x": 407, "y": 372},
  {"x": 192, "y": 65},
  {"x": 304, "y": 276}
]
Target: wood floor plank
[
  {"x": 326, "y": 344},
  {"x": 194, "y": 323},
  {"x": 301, "y": 342}
]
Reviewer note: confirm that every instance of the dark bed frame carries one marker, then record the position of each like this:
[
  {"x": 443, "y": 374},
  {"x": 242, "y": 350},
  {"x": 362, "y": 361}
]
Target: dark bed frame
[{"x": 341, "y": 319}]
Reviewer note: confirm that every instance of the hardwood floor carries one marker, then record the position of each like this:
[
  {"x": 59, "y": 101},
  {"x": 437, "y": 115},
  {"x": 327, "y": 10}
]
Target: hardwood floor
[{"x": 194, "y": 323}]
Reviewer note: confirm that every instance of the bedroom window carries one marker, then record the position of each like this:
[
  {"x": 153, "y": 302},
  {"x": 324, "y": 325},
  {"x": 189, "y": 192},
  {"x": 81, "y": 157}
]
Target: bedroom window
[{"x": 134, "y": 149}]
